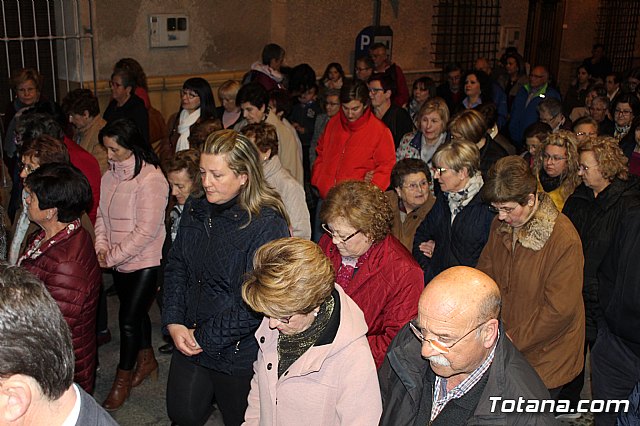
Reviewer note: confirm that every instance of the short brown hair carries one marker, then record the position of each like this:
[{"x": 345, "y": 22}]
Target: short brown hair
[
  {"x": 363, "y": 205},
  {"x": 264, "y": 135},
  {"x": 189, "y": 161},
  {"x": 612, "y": 162},
  {"x": 45, "y": 149},
  {"x": 26, "y": 74},
  {"x": 289, "y": 276},
  {"x": 509, "y": 179},
  {"x": 199, "y": 132},
  {"x": 457, "y": 155}
]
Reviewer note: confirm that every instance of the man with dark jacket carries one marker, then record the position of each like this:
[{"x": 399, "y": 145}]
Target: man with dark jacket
[{"x": 473, "y": 369}]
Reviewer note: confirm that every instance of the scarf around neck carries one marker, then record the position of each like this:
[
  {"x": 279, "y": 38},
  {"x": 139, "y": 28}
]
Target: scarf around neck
[
  {"x": 187, "y": 119},
  {"x": 458, "y": 200}
]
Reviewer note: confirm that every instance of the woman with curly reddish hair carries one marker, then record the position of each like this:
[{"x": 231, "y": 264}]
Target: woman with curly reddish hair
[
  {"x": 556, "y": 166},
  {"x": 372, "y": 266}
]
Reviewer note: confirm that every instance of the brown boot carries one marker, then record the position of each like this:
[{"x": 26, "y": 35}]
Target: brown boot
[
  {"x": 119, "y": 391},
  {"x": 146, "y": 366}
]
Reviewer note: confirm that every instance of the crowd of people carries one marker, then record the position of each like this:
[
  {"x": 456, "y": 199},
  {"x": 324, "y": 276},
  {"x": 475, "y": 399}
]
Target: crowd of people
[{"x": 337, "y": 249}]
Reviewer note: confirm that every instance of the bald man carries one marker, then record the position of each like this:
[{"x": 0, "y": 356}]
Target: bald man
[{"x": 453, "y": 364}]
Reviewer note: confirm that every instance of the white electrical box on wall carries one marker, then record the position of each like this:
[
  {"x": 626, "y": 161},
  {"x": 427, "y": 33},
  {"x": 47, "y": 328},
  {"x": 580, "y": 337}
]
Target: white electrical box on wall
[
  {"x": 168, "y": 30},
  {"x": 509, "y": 37}
]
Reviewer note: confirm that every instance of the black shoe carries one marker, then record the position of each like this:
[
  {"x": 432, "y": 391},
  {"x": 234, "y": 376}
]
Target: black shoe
[
  {"x": 111, "y": 291},
  {"x": 166, "y": 349}
]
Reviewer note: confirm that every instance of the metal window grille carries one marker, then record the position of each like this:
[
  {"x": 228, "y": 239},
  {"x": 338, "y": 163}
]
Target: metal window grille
[
  {"x": 52, "y": 36},
  {"x": 465, "y": 30},
  {"x": 617, "y": 28}
]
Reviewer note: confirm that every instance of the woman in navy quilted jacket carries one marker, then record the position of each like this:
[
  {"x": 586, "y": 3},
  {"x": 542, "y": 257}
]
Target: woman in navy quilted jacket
[
  {"x": 62, "y": 256},
  {"x": 212, "y": 328}
]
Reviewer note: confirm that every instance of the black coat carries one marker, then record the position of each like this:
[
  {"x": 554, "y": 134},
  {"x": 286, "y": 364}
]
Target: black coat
[
  {"x": 457, "y": 243},
  {"x": 203, "y": 277},
  {"x": 489, "y": 154},
  {"x": 597, "y": 220},
  {"x": 406, "y": 379},
  {"x": 619, "y": 282}
]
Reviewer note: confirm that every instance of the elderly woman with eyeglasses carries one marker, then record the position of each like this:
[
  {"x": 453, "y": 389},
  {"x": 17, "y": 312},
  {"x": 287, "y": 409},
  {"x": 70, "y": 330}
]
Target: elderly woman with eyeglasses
[
  {"x": 371, "y": 265},
  {"x": 598, "y": 210},
  {"x": 556, "y": 166},
  {"x": 535, "y": 255},
  {"x": 457, "y": 227},
  {"x": 410, "y": 198},
  {"x": 314, "y": 360}
]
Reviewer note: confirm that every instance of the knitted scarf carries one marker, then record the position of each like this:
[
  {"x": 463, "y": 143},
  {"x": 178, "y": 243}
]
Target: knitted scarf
[{"x": 458, "y": 200}]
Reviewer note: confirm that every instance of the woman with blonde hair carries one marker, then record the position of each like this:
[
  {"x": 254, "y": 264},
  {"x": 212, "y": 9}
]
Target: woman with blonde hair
[
  {"x": 203, "y": 311},
  {"x": 457, "y": 227},
  {"x": 556, "y": 166},
  {"x": 372, "y": 266},
  {"x": 229, "y": 112},
  {"x": 431, "y": 122},
  {"x": 312, "y": 337}
]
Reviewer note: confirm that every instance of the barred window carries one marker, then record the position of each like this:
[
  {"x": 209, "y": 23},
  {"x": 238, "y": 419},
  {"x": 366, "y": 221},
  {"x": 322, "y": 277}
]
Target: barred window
[
  {"x": 617, "y": 28},
  {"x": 465, "y": 30}
]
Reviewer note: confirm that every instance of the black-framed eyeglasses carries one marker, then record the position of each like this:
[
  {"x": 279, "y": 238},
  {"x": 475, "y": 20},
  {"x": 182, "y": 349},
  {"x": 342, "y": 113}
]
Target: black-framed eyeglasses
[
  {"x": 335, "y": 236},
  {"x": 189, "y": 93},
  {"x": 437, "y": 345},
  {"x": 285, "y": 320}
]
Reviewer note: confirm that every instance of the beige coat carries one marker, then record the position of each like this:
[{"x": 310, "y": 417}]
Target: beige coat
[
  {"x": 88, "y": 139},
  {"x": 540, "y": 278},
  {"x": 405, "y": 231}
]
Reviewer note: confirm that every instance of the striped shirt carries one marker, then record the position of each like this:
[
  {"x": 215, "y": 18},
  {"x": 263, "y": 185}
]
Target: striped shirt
[{"x": 440, "y": 385}]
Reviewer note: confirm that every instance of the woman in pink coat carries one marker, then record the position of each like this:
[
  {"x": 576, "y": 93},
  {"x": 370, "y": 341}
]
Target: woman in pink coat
[
  {"x": 314, "y": 364},
  {"x": 130, "y": 233}
]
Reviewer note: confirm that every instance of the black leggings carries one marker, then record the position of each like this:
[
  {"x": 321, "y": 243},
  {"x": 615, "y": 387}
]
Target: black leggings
[
  {"x": 191, "y": 390},
  {"x": 135, "y": 291}
]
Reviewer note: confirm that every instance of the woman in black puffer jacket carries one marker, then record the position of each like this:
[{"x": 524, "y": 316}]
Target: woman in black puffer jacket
[{"x": 212, "y": 328}]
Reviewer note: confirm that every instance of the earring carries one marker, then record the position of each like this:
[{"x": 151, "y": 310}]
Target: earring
[{"x": 315, "y": 314}]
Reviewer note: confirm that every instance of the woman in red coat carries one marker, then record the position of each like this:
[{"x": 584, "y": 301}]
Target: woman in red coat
[
  {"x": 372, "y": 266},
  {"x": 62, "y": 256}
]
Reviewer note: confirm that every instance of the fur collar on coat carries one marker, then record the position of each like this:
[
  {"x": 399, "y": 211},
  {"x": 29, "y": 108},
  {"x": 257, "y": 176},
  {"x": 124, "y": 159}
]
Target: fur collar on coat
[{"x": 535, "y": 233}]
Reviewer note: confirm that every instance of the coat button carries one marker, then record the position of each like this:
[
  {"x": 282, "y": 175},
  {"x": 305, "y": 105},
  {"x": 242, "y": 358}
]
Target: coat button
[
  {"x": 262, "y": 339},
  {"x": 269, "y": 366},
  {"x": 286, "y": 372}
]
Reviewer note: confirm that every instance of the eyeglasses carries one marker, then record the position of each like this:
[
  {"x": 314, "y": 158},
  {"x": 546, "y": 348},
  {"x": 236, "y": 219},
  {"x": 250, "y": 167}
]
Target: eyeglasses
[
  {"x": 415, "y": 186},
  {"x": 188, "y": 93},
  {"x": 114, "y": 84},
  {"x": 285, "y": 320},
  {"x": 584, "y": 168},
  {"x": 623, "y": 112},
  {"x": 552, "y": 158},
  {"x": 28, "y": 168},
  {"x": 437, "y": 345},
  {"x": 332, "y": 103},
  {"x": 362, "y": 69},
  {"x": 505, "y": 210},
  {"x": 597, "y": 109},
  {"x": 439, "y": 170},
  {"x": 375, "y": 89},
  {"x": 335, "y": 236}
]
